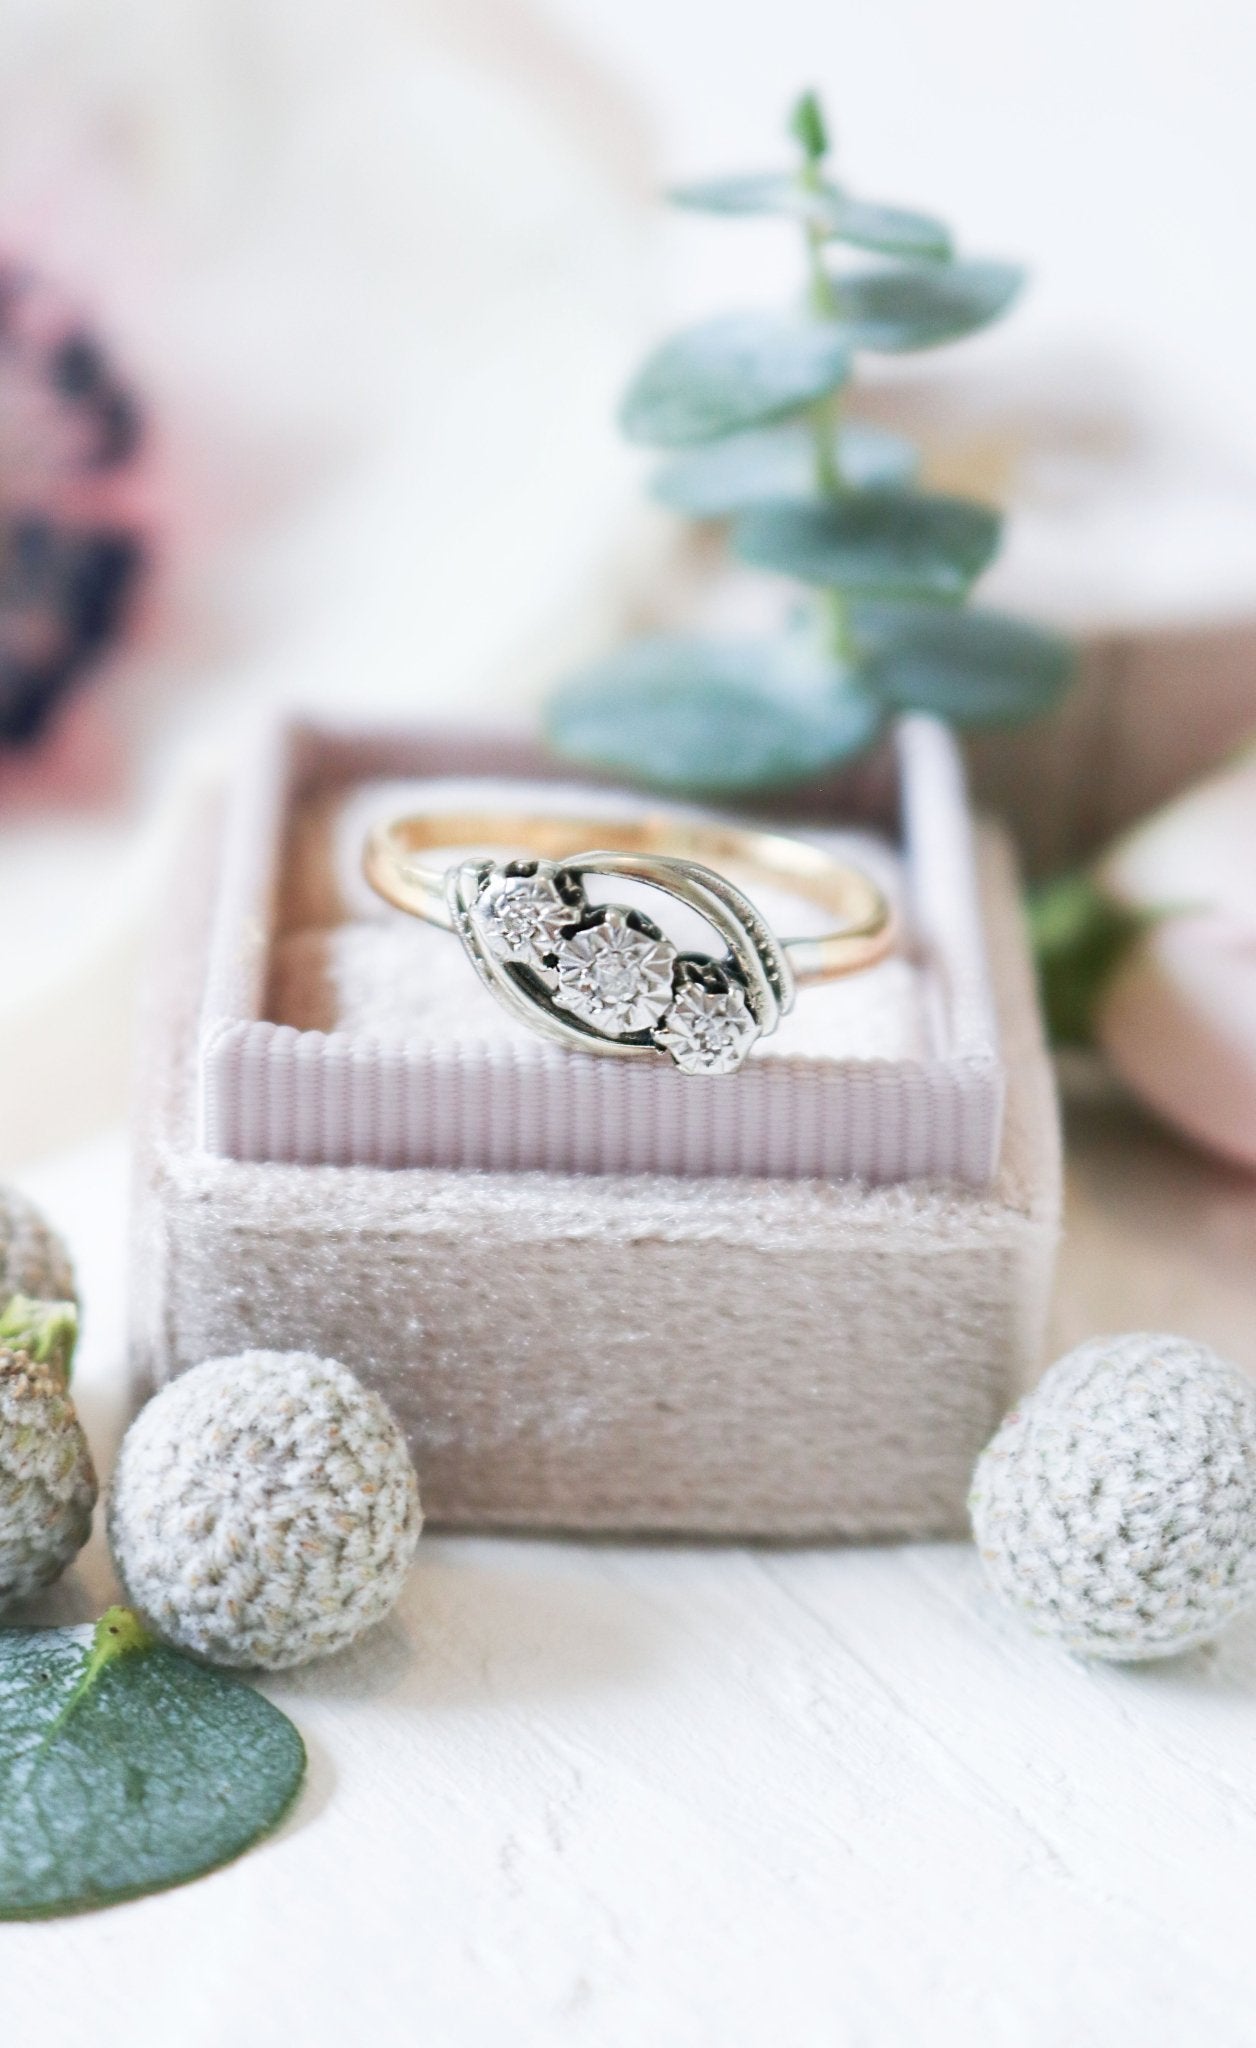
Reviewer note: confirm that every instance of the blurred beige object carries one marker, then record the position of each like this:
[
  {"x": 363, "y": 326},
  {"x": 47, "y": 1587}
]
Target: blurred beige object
[
  {"x": 1131, "y": 527},
  {"x": 1178, "y": 1022},
  {"x": 1148, "y": 711},
  {"x": 1178, "y": 1017}
]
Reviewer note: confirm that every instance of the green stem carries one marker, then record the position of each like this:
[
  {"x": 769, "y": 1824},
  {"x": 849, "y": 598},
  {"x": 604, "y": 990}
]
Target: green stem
[
  {"x": 839, "y": 637},
  {"x": 821, "y": 290},
  {"x": 836, "y": 630},
  {"x": 118, "y": 1633},
  {"x": 828, "y": 468}
]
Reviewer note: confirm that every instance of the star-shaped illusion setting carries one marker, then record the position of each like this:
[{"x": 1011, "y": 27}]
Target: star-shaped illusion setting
[
  {"x": 615, "y": 975},
  {"x": 613, "y": 970},
  {"x": 710, "y": 1027},
  {"x": 524, "y": 915}
]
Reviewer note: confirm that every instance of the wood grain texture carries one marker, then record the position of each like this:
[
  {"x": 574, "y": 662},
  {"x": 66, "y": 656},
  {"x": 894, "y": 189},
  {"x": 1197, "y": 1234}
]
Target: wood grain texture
[{"x": 611, "y": 1794}]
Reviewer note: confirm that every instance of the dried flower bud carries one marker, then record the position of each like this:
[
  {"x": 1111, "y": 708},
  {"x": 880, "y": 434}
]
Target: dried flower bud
[
  {"x": 33, "y": 1260},
  {"x": 47, "y": 1481}
]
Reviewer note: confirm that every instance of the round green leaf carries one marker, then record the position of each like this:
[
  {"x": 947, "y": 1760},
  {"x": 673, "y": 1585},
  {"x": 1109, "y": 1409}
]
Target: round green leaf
[
  {"x": 874, "y": 543},
  {"x": 706, "y": 716},
  {"x": 730, "y": 373},
  {"x": 890, "y": 230},
  {"x": 126, "y": 1768},
  {"x": 923, "y": 304},
  {"x": 970, "y": 667},
  {"x": 770, "y": 463}
]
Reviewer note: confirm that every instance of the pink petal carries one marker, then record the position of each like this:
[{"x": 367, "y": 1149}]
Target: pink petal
[
  {"x": 1199, "y": 852},
  {"x": 1178, "y": 1022}
]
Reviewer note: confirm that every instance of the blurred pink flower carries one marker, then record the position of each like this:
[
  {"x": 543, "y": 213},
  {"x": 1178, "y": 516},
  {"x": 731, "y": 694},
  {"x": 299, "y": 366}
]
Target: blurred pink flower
[
  {"x": 72, "y": 537},
  {"x": 1177, "y": 1018}
]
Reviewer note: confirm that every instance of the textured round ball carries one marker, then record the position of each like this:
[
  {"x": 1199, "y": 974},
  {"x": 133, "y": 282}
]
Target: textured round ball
[
  {"x": 33, "y": 1260},
  {"x": 1116, "y": 1507},
  {"x": 47, "y": 1483},
  {"x": 264, "y": 1509}
]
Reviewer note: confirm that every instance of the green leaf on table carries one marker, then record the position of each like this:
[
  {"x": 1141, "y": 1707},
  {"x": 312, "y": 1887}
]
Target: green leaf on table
[
  {"x": 818, "y": 204},
  {"x": 126, "y": 1768},
  {"x": 970, "y": 667},
  {"x": 923, "y": 304},
  {"x": 709, "y": 715},
  {"x": 894, "y": 544},
  {"x": 770, "y": 463},
  {"x": 737, "y": 371}
]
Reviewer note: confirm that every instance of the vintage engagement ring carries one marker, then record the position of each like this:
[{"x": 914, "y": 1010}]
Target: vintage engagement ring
[{"x": 603, "y": 978}]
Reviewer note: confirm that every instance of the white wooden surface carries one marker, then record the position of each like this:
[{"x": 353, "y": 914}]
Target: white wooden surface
[{"x": 620, "y": 1795}]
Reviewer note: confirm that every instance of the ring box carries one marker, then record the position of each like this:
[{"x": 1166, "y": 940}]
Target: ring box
[{"x": 601, "y": 1295}]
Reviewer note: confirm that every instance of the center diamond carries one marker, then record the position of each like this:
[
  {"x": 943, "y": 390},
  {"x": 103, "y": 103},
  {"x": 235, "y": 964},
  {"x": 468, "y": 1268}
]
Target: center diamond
[{"x": 614, "y": 976}]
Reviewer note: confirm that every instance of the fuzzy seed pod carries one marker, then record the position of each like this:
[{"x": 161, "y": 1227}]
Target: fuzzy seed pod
[
  {"x": 264, "y": 1509},
  {"x": 33, "y": 1260},
  {"x": 47, "y": 1482},
  {"x": 1116, "y": 1507}
]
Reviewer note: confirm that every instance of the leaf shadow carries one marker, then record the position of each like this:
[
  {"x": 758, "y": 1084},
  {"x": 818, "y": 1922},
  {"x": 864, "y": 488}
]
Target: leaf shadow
[{"x": 317, "y": 1787}]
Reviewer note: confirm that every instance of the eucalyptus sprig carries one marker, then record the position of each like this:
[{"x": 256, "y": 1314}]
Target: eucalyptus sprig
[{"x": 750, "y": 407}]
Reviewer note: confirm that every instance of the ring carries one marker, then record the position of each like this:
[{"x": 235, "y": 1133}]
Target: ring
[{"x": 603, "y": 978}]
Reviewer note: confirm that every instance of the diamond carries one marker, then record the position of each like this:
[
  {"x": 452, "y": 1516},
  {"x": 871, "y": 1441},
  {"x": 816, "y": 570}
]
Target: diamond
[
  {"x": 614, "y": 976},
  {"x": 708, "y": 1030},
  {"x": 523, "y": 917}
]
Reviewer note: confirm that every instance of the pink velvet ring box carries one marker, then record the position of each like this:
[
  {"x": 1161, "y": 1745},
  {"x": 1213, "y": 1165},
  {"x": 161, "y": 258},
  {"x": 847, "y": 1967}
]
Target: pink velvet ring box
[{"x": 602, "y": 1294}]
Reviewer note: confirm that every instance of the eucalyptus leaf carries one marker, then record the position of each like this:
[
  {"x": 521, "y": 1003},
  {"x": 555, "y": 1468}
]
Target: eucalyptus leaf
[
  {"x": 735, "y": 372},
  {"x": 126, "y": 1768},
  {"x": 874, "y": 543},
  {"x": 751, "y": 192},
  {"x": 971, "y": 667},
  {"x": 708, "y": 715},
  {"x": 818, "y": 204},
  {"x": 769, "y": 463},
  {"x": 890, "y": 230},
  {"x": 923, "y": 304}
]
